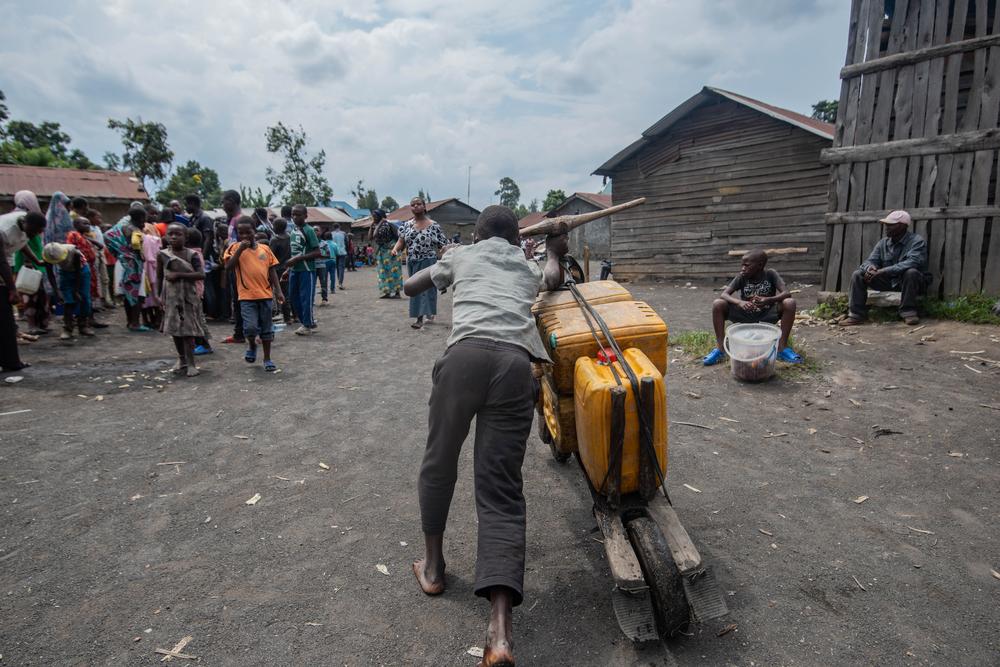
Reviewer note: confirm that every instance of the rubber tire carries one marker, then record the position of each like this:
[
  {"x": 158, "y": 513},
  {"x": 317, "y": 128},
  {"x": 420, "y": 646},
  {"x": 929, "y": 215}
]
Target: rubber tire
[
  {"x": 661, "y": 574},
  {"x": 560, "y": 457}
]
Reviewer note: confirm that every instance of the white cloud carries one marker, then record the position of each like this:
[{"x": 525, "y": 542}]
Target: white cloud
[{"x": 410, "y": 93}]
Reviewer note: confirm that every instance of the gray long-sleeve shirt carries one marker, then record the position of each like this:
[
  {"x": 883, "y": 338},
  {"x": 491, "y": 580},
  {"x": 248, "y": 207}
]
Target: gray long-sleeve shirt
[{"x": 910, "y": 252}]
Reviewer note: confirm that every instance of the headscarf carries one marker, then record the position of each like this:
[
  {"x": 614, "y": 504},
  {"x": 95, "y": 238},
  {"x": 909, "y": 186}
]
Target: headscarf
[
  {"x": 58, "y": 222},
  {"x": 26, "y": 200}
]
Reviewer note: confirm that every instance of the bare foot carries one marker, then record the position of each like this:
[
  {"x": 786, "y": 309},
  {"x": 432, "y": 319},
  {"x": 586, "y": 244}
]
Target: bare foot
[
  {"x": 192, "y": 371},
  {"x": 430, "y": 583},
  {"x": 180, "y": 368},
  {"x": 499, "y": 649},
  {"x": 500, "y": 654}
]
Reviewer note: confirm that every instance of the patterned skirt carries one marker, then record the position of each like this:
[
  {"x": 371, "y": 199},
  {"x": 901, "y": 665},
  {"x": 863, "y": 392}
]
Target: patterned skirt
[
  {"x": 390, "y": 271},
  {"x": 425, "y": 303}
]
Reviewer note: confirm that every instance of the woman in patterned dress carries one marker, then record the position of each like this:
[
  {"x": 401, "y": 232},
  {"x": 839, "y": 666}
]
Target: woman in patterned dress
[
  {"x": 383, "y": 235},
  {"x": 422, "y": 238}
]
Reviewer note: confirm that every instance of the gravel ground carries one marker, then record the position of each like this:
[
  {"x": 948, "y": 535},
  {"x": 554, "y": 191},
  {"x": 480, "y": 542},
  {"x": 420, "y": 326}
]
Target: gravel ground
[{"x": 125, "y": 527}]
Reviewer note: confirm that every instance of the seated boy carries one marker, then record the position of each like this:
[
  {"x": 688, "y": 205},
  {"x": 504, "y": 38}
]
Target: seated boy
[
  {"x": 758, "y": 294},
  {"x": 485, "y": 373}
]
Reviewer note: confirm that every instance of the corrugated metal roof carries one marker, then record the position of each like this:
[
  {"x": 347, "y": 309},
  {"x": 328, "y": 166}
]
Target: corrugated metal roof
[
  {"x": 595, "y": 198},
  {"x": 708, "y": 93},
  {"x": 531, "y": 219},
  {"x": 90, "y": 183}
]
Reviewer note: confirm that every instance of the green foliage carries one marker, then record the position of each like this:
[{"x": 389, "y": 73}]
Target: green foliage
[
  {"x": 4, "y": 112},
  {"x": 366, "y": 198},
  {"x": 694, "y": 343},
  {"x": 14, "y": 152},
  {"x": 255, "y": 198},
  {"x": 111, "y": 161},
  {"x": 533, "y": 206},
  {"x": 48, "y": 135},
  {"x": 424, "y": 195},
  {"x": 147, "y": 152},
  {"x": 971, "y": 308},
  {"x": 553, "y": 199},
  {"x": 191, "y": 178},
  {"x": 389, "y": 204},
  {"x": 508, "y": 192},
  {"x": 825, "y": 110},
  {"x": 300, "y": 179}
]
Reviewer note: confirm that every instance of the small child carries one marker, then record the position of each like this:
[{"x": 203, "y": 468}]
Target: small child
[
  {"x": 256, "y": 285},
  {"x": 485, "y": 373},
  {"x": 74, "y": 286},
  {"x": 193, "y": 242},
  {"x": 751, "y": 297},
  {"x": 178, "y": 270}
]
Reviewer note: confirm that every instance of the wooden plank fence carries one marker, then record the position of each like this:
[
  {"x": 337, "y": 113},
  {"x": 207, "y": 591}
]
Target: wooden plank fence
[{"x": 917, "y": 128}]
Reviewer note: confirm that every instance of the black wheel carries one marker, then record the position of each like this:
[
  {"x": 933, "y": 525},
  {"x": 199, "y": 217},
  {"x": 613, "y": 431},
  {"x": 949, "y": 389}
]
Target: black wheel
[
  {"x": 560, "y": 457},
  {"x": 661, "y": 574},
  {"x": 543, "y": 429}
]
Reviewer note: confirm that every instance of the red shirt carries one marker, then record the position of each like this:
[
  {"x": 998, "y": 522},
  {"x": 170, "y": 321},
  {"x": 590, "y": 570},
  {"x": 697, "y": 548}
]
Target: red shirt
[{"x": 83, "y": 245}]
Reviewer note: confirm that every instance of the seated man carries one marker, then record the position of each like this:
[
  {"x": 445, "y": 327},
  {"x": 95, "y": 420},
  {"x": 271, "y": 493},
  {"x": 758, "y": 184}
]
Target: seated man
[
  {"x": 758, "y": 294},
  {"x": 898, "y": 263}
]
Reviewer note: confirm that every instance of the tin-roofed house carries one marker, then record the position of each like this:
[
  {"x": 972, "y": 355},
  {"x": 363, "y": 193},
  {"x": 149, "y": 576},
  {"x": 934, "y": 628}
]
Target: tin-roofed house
[
  {"x": 452, "y": 214},
  {"x": 110, "y": 192},
  {"x": 721, "y": 174}
]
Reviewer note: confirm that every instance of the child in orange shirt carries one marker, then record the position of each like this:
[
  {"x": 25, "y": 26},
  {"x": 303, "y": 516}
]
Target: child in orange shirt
[{"x": 256, "y": 286}]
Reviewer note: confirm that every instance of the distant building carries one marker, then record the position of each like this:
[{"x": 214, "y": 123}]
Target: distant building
[
  {"x": 454, "y": 216},
  {"x": 722, "y": 173},
  {"x": 110, "y": 192},
  {"x": 596, "y": 235}
]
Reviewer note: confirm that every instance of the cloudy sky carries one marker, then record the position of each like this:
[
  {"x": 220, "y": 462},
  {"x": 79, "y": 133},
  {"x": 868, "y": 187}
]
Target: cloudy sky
[{"x": 409, "y": 94}]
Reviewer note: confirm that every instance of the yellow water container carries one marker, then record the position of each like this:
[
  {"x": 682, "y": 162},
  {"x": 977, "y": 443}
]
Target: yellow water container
[
  {"x": 592, "y": 399},
  {"x": 599, "y": 291},
  {"x": 558, "y": 414},
  {"x": 567, "y": 336}
]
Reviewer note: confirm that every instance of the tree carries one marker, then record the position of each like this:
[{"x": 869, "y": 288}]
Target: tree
[
  {"x": 389, "y": 204},
  {"x": 825, "y": 110},
  {"x": 533, "y": 206},
  {"x": 112, "y": 161},
  {"x": 301, "y": 179},
  {"x": 47, "y": 135},
  {"x": 520, "y": 211},
  {"x": 255, "y": 198},
  {"x": 192, "y": 179},
  {"x": 508, "y": 192},
  {"x": 553, "y": 199},
  {"x": 423, "y": 195},
  {"x": 366, "y": 198},
  {"x": 4, "y": 111},
  {"x": 146, "y": 150}
]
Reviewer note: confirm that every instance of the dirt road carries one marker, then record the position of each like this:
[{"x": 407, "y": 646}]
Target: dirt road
[{"x": 125, "y": 525}]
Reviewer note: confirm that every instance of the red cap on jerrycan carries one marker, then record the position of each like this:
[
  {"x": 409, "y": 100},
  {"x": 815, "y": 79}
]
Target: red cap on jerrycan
[{"x": 606, "y": 356}]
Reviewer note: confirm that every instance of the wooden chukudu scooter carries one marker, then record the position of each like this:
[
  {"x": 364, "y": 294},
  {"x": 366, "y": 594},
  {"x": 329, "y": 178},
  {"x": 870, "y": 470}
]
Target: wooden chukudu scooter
[{"x": 604, "y": 399}]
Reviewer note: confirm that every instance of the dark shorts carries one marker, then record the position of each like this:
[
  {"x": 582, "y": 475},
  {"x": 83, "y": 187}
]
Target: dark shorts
[
  {"x": 740, "y": 316},
  {"x": 257, "y": 319}
]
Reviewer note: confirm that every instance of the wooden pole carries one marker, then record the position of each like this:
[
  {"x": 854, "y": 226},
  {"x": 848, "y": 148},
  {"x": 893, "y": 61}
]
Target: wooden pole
[
  {"x": 586, "y": 261},
  {"x": 573, "y": 221}
]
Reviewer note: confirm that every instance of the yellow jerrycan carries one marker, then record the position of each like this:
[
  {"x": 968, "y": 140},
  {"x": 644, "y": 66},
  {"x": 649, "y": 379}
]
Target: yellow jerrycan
[{"x": 594, "y": 383}]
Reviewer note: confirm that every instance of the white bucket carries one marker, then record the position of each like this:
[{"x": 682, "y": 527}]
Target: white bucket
[{"x": 752, "y": 350}]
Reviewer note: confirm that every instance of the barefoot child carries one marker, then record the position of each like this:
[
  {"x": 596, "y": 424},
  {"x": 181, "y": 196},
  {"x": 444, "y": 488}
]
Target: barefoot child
[
  {"x": 256, "y": 282},
  {"x": 485, "y": 373},
  {"x": 758, "y": 294},
  {"x": 177, "y": 271},
  {"x": 194, "y": 242}
]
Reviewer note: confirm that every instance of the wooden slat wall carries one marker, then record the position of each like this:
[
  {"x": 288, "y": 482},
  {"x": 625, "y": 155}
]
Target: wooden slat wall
[
  {"x": 925, "y": 97},
  {"x": 725, "y": 177}
]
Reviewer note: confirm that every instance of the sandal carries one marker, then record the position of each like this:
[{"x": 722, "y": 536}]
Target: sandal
[
  {"x": 270, "y": 366},
  {"x": 142, "y": 328},
  {"x": 851, "y": 321},
  {"x": 250, "y": 356}
]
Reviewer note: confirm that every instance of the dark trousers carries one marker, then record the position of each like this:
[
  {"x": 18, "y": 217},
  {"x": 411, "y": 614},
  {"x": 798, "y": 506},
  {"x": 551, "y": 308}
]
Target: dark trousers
[
  {"x": 912, "y": 284},
  {"x": 321, "y": 275},
  {"x": 234, "y": 302},
  {"x": 9, "y": 358},
  {"x": 341, "y": 265},
  {"x": 492, "y": 382}
]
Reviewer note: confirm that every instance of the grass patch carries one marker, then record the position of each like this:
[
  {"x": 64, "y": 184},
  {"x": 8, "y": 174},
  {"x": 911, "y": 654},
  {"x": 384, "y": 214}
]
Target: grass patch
[
  {"x": 699, "y": 343},
  {"x": 971, "y": 309},
  {"x": 695, "y": 343}
]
